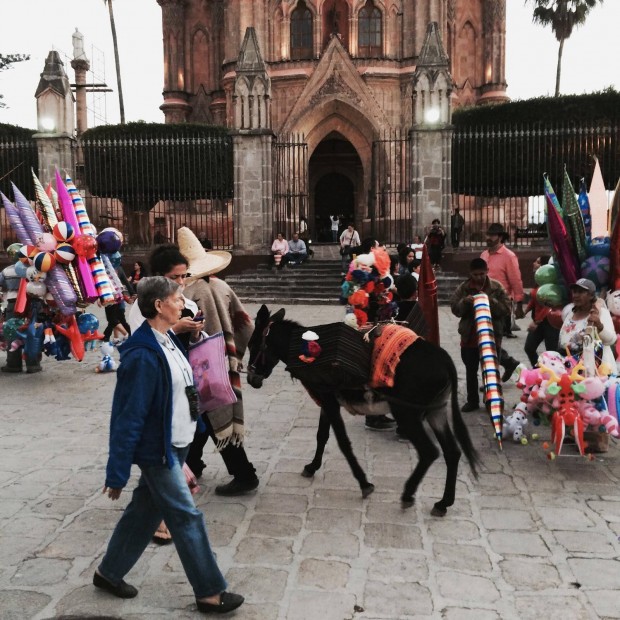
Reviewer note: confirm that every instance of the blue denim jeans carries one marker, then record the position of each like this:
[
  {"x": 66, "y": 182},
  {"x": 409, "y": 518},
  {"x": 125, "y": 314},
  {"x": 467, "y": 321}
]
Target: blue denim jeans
[{"x": 163, "y": 493}]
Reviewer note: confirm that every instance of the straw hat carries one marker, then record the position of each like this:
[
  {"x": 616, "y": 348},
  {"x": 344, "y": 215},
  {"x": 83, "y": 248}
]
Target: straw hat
[{"x": 201, "y": 262}]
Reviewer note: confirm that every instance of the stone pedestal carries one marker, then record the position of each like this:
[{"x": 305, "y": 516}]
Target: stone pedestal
[
  {"x": 55, "y": 151},
  {"x": 253, "y": 192}
]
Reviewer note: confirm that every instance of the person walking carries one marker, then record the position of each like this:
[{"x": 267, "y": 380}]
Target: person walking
[
  {"x": 154, "y": 413},
  {"x": 462, "y": 306},
  {"x": 504, "y": 267},
  {"x": 457, "y": 223},
  {"x": 348, "y": 239},
  {"x": 435, "y": 241}
]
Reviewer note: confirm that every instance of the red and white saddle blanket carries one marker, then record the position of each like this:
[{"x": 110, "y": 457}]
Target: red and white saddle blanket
[{"x": 387, "y": 348}]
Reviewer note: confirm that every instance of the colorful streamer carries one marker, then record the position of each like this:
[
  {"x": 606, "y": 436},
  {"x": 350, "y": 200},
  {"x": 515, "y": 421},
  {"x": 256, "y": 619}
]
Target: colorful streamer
[
  {"x": 489, "y": 363},
  {"x": 80, "y": 209}
]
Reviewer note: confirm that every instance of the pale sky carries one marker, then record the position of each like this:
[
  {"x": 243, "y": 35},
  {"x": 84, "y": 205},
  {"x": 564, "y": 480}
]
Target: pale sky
[{"x": 590, "y": 60}]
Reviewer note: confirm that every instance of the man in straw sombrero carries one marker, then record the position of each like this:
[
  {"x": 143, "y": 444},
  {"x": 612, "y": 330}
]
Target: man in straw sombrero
[{"x": 222, "y": 311}]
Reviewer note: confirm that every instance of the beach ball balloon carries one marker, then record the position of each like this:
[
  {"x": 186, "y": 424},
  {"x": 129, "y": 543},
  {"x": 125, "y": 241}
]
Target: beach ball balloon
[
  {"x": 596, "y": 268},
  {"x": 13, "y": 252},
  {"x": 63, "y": 232},
  {"x": 36, "y": 289},
  {"x": 10, "y": 331},
  {"x": 64, "y": 253},
  {"x": 45, "y": 242},
  {"x": 44, "y": 261},
  {"x": 87, "y": 322},
  {"x": 26, "y": 253},
  {"x": 546, "y": 274},
  {"x": 20, "y": 269},
  {"x": 550, "y": 295},
  {"x": 85, "y": 246},
  {"x": 599, "y": 246},
  {"x": 34, "y": 275},
  {"x": 109, "y": 241}
]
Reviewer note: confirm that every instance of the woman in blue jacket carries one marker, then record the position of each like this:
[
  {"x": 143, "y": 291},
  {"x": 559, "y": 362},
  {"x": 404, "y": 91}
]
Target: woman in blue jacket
[{"x": 154, "y": 413}]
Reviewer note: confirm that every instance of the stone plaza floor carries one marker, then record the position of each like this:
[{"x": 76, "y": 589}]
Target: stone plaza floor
[{"x": 531, "y": 538}]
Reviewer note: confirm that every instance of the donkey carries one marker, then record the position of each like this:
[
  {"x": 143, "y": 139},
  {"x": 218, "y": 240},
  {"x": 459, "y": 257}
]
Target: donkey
[{"x": 424, "y": 387}]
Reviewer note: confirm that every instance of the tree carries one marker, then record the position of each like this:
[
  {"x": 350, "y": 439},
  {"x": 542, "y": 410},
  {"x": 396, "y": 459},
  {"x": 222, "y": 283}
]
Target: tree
[
  {"x": 6, "y": 60},
  {"x": 563, "y": 16},
  {"x": 121, "y": 105}
]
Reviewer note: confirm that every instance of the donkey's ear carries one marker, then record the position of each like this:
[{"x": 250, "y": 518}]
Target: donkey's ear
[
  {"x": 278, "y": 316},
  {"x": 263, "y": 314}
]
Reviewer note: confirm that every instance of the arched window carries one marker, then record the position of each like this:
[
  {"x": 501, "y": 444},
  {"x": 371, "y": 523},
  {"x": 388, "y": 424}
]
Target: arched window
[
  {"x": 370, "y": 36},
  {"x": 301, "y": 32}
]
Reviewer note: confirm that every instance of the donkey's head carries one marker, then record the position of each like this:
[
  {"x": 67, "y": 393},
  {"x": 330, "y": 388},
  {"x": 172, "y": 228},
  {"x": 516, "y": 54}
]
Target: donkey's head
[{"x": 263, "y": 357}]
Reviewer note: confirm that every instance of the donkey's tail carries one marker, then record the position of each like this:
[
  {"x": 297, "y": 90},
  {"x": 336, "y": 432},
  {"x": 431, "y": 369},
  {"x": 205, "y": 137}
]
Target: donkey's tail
[{"x": 460, "y": 429}]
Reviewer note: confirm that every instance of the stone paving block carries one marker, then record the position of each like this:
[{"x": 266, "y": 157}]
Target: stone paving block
[
  {"x": 290, "y": 465},
  {"x": 9, "y": 507},
  {"x": 560, "y": 606},
  {"x": 608, "y": 510},
  {"x": 333, "y": 520},
  {"x": 319, "y": 605},
  {"x": 506, "y": 519},
  {"x": 590, "y": 542},
  {"x": 467, "y": 589},
  {"x": 258, "y": 585},
  {"x": 23, "y": 491},
  {"x": 530, "y": 575},
  {"x": 226, "y": 510},
  {"x": 595, "y": 573},
  {"x": 56, "y": 506},
  {"x": 524, "y": 543},
  {"x": 391, "y": 536},
  {"x": 342, "y": 498},
  {"x": 290, "y": 480},
  {"x": 557, "y": 499},
  {"x": 220, "y": 534},
  {"x": 390, "y": 512},
  {"x": 22, "y": 604},
  {"x": 458, "y": 613},
  {"x": 275, "y": 526},
  {"x": 343, "y": 480},
  {"x": 324, "y": 544},
  {"x": 445, "y": 530},
  {"x": 605, "y": 604},
  {"x": 264, "y": 551},
  {"x": 462, "y": 557},
  {"x": 323, "y": 574},
  {"x": 69, "y": 544},
  {"x": 281, "y": 503},
  {"x": 498, "y": 484},
  {"x": 394, "y": 600},
  {"x": 17, "y": 548},
  {"x": 398, "y": 566},
  {"x": 566, "y": 518},
  {"x": 41, "y": 572}
]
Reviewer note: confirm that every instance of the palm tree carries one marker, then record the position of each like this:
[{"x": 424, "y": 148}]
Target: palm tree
[
  {"x": 121, "y": 105},
  {"x": 562, "y": 16}
]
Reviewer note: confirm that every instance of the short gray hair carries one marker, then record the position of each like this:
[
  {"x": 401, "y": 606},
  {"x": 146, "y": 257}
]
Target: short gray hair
[{"x": 150, "y": 290}]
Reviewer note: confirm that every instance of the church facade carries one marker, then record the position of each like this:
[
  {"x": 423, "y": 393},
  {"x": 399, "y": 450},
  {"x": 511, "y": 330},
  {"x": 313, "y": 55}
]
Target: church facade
[{"x": 342, "y": 84}]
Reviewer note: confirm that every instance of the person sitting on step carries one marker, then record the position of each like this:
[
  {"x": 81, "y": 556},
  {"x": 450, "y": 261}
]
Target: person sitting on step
[{"x": 297, "y": 252}]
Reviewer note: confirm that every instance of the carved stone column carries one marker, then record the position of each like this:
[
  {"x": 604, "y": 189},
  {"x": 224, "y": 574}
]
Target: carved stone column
[{"x": 494, "y": 37}]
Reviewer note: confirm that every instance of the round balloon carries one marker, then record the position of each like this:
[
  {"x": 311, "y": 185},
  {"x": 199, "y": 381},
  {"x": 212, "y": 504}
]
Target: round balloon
[
  {"x": 87, "y": 322},
  {"x": 85, "y": 246},
  {"x": 63, "y": 231},
  {"x": 550, "y": 295},
  {"x": 109, "y": 241},
  {"x": 613, "y": 302},
  {"x": 10, "y": 331},
  {"x": 118, "y": 233},
  {"x": 26, "y": 253},
  {"x": 34, "y": 275},
  {"x": 599, "y": 246},
  {"x": 596, "y": 268},
  {"x": 45, "y": 242},
  {"x": 546, "y": 274},
  {"x": 44, "y": 261},
  {"x": 36, "y": 289},
  {"x": 64, "y": 253},
  {"x": 20, "y": 269},
  {"x": 555, "y": 318},
  {"x": 13, "y": 252}
]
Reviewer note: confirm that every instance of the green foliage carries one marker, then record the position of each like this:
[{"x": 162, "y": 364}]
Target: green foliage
[
  {"x": 142, "y": 163},
  {"x": 562, "y": 15},
  {"x": 6, "y": 60},
  {"x": 18, "y": 154}
]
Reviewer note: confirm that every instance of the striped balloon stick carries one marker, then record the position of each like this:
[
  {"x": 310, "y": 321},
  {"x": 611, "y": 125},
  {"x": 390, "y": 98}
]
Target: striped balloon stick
[
  {"x": 97, "y": 268},
  {"x": 489, "y": 363}
]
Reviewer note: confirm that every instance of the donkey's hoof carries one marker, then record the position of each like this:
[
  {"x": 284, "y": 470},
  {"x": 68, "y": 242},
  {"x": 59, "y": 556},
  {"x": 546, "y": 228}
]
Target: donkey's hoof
[
  {"x": 308, "y": 472},
  {"x": 406, "y": 502},
  {"x": 439, "y": 511},
  {"x": 367, "y": 490}
]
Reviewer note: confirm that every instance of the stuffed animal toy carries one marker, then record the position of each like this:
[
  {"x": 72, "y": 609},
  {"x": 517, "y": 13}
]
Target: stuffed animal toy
[
  {"x": 514, "y": 424},
  {"x": 107, "y": 363}
]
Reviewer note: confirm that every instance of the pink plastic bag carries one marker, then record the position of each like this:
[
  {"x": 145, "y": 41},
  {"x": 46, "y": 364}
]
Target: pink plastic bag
[{"x": 210, "y": 365}]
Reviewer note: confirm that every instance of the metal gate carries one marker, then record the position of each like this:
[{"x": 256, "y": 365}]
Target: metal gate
[
  {"x": 390, "y": 205},
  {"x": 290, "y": 184}
]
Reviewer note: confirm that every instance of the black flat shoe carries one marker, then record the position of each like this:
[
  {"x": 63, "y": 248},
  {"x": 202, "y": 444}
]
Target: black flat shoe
[
  {"x": 122, "y": 589},
  {"x": 236, "y": 487},
  {"x": 228, "y": 602}
]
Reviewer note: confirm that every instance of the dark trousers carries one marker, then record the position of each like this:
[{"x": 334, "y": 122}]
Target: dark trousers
[
  {"x": 544, "y": 332},
  {"x": 471, "y": 359},
  {"x": 115, "y": 314},
  {"x": 455, "y": 237},
  {"x": 235, "y": 458},
  {"x": 434, "y": 253}
]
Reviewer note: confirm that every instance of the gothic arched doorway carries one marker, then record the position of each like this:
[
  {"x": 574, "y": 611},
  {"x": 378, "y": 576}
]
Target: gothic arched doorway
[{"x": 336, "y": 177}]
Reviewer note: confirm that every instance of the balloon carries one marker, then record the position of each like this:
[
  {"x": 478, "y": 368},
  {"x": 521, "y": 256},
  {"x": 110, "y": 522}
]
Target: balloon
[
  {"x": 555, "y": 318},
  {"x": 44, "y": 261},
  {"x": 64, "y": 253},
  {"x": 13, "y": 252},
  {"x": 108, "y": 241},
  {"x": 34, "y": 275},
  {"x": 85, "y": 246},
  {"x": 118, "y": 233},
  {"x": 596, "y": 268},
  {"x": 45, "y": 242},
  {"x": 26, "y": 253},
  {"x": 11, "y": 327},
  {"x": 550, "y": 295},
  {"x": 72, "y": 333},
  {"x": 36, "y": 289},
  {"x": 599, "y": 246},
  {"x": 115, "y": 259},
  {"x": 613, "y": 303},
  {"x": 87, "y": 322},
  {"x": 546, "y": 274},
  {"x": 63, "y": 231},
  {"x": 20, "y": 269}
]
